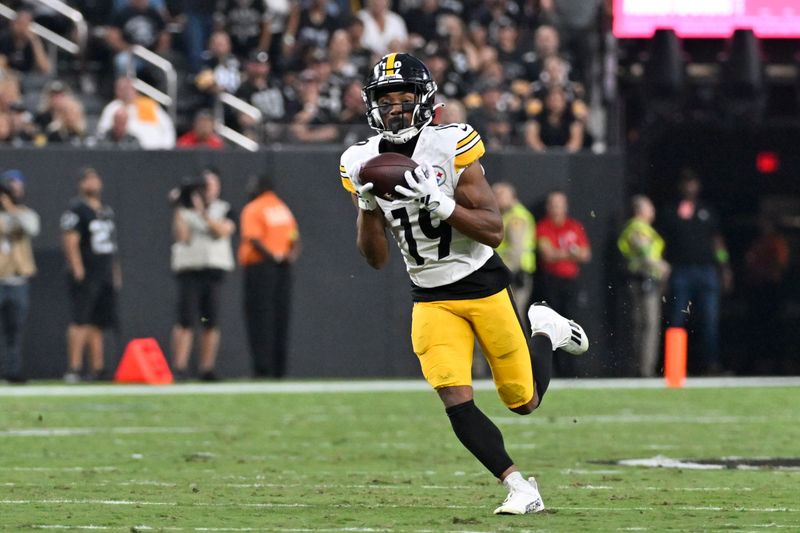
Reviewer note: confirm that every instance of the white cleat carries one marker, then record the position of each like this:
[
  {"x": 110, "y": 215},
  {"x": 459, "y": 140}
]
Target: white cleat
[
  {"x": 523, "y": 497},
  {"x": 564, "y": 333}
]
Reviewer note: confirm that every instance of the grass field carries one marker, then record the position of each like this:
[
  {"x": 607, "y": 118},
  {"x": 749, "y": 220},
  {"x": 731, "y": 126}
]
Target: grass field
[{"x": 389, "y": 462}]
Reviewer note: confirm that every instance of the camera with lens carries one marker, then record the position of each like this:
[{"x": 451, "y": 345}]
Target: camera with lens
[{"x": 182, "y": 195}]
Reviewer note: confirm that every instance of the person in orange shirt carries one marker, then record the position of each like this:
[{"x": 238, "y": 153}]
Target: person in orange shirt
[{"x": 270, "y": 244}]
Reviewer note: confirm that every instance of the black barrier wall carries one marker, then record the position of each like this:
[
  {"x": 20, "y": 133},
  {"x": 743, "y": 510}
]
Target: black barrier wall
[{"x": 347, "y": 319}]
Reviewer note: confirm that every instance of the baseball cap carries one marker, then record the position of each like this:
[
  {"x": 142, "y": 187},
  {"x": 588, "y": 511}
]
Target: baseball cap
[{"x": 13, "y": 174}]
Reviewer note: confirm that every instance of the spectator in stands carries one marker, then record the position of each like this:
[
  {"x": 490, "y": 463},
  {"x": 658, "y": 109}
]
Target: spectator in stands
[
  {"x": 95, "y": 277},
  {"x": 645, "y": 274},
  {"x": 22, "y": 128},
  {"x": 453, "y": 112},
  {"x": 331, "y": 86},
  {"x": 51, "y": 100},
  {"x": 359, "y": 54},
  {"x": 384, "y": 30},
  {"x": 422, "y": 23},
  {"x": 518, "y": 249},
  {"x": 546, "y": 43},
  {"x": 310, "y": 25},
  {"x": 201, "y": 255},
  {"x": 493, "y": 118},
  {"x": 555, "y": 71},
  {"x": 486, "y": 52},
  {"x": 68, "y": 125},
  {"x": 578, "y": 23},
  {"x": 555, "y": 125},
  {"x": 269, "y": 246},
  {"x": 700, "y": 267},
  {"x": 19, "y": 224},
  {"x": 462, "y": 53},
  {"x": 147, "y": 121},
  {"x": 118, "y": 136},
  {"x": 16, "y": 125},
  {"x": 449, "y": 82},
  {"x": 260, "y": 90},
  {"x": 221, "y": 69},
  {"x": 491, "y": 14},
  {"x": 563, "y": 247},
  {"x": 339, "y": 57},
  {"x": 197, "y": 30},
  {"x": 247, "y": 23},
  {"x": 352, "y": 127},
  {"x": 312, "y": 122},
  {"x": 278, "y": 15},
  {"x": 136, "y": 24},
  {"x": 21, "y": 49},
  {"x": 202, "y": 133},
  {"x": 10, "y": 91},
  {"x": 509, "y": 51}
]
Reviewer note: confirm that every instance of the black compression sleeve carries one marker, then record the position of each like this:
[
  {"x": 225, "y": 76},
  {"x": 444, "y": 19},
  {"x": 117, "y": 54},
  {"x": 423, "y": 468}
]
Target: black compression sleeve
[
  {"x": 542, "y": 362},
  {"x": 480, "y": 436}
]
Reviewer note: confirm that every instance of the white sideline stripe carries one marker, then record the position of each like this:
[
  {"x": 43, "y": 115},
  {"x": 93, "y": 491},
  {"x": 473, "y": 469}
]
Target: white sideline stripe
[
  {"x": 61, "y": 468},
  {"x": 659, "y": 489},
  {"x": 639, "y": 419},
  {"x": 268, "y": 505},
  {"x": 174, "y": 528},
  {"x": 71, "y": 432},
  {"x": 388, "y": 385},
  {"x": 386, "y": 486}
]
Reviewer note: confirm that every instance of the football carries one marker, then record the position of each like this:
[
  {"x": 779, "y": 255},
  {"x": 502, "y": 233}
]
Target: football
[{"x": 385, "y": 171}]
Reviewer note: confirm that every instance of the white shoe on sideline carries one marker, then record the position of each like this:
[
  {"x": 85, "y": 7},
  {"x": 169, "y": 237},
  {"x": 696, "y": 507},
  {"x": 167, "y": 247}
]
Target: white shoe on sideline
[
  {"x": 523, "y": 497},
  {"x": 564, "y": 333}
]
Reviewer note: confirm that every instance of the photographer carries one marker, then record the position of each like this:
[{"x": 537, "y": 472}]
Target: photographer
[
  {"x": 201, "y": 254},
  {"x": 18, "y": 225}
]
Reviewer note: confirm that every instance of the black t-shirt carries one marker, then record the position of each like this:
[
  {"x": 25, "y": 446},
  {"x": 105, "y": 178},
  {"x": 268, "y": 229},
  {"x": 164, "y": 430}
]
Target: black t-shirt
[
  {"x": 555, "y": 134},
  {"x": 688, "y": 233},
  {"x": 244, "y": 19},
  {"x": 139, "y": 27},
  {"x": 98, "y": 238},
  {"x": 270, "y": 100},
  {"x": 316, "y": 35},
  {"x": 19, "y": 59}
]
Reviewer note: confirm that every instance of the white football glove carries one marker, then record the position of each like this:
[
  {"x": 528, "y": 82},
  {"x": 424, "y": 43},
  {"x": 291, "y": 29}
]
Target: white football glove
[
  {"x": 425, "y": 191},
  {"x": 366, "y": 200}
]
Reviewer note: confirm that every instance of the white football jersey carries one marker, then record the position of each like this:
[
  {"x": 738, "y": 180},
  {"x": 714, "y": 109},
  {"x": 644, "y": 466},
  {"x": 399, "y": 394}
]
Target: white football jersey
[{"x": 435, "y": 253}]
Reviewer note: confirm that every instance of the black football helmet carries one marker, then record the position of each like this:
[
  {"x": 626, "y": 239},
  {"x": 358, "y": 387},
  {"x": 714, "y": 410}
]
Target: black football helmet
[{"x": 400, "y": 72}]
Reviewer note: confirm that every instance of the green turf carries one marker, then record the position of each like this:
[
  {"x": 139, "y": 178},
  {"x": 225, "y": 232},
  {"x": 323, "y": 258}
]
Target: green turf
[{"x": 374, "y": 462}]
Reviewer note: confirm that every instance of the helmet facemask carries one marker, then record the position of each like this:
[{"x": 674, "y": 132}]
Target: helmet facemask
[{"x": 421, "y": 109}]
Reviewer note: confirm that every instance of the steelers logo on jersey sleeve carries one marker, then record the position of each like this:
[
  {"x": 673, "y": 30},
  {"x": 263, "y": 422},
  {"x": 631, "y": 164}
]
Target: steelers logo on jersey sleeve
[{"x": 441, "y": 175}]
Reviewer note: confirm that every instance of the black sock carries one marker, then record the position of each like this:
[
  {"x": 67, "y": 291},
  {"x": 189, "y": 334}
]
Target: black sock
[
  {"x": 480, "y": 436},
  {"x": 542, "y": 362}
]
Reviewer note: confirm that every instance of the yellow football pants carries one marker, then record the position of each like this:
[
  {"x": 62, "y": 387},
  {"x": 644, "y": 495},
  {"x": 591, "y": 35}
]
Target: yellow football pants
[{"x": 443, "y": 335}]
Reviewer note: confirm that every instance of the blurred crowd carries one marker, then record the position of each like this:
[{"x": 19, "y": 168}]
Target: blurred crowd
[{"x": 520, "y": 71}]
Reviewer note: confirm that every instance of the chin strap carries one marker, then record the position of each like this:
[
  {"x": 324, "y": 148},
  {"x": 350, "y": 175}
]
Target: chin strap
[{"x": 402, "y": 136}]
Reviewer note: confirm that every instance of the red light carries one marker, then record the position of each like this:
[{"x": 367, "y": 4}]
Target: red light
[{"x": 767, "y": 162}]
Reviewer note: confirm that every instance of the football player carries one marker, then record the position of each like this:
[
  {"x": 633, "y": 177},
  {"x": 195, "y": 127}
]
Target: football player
[{"x": 446, "y": 223}]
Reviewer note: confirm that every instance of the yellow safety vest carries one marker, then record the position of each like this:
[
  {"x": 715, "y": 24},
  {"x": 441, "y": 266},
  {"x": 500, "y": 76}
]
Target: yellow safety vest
[
  {"x": 515, "y": 215},
  {"x": 639, "y": 257}
]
